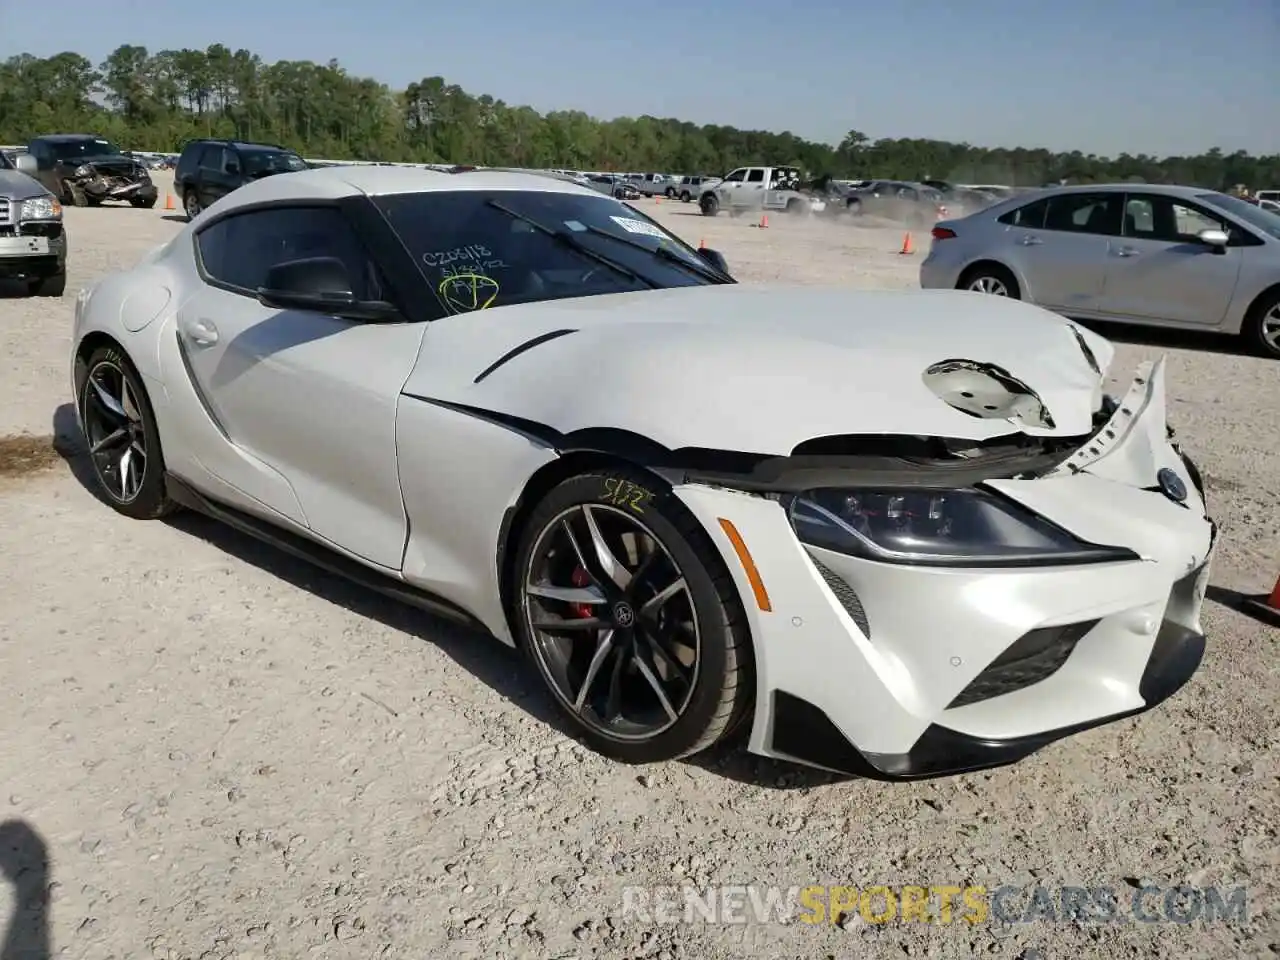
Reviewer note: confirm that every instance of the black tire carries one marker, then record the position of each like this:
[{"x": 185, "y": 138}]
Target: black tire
[
  {"x": 190, "y": 203},
  {"x": 1263, "y": 317},
  {"x": 994, "y": 274},
  {"x": 854, "y": 207},
  {"x": 794, "y": 207},
  {"x": 671, "y": 193},
  {"x": 685, "y": 196},
  {"x": 143, "y": 204},
  {"x": 151, "y": 500},
  {"x": 721, "y": 690},
  {"x": 54, "y": 286},
  {"x": 709, "y": 204}
]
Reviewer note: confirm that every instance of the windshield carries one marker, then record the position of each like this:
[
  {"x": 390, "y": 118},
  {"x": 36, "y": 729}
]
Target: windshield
[
  {"x": 74, "y": 149},
  {"x": 5, "y": 163},
  {"x": 1264, "y": 220},
  {"x": 480, "y": 248},
  {"x": 258, "y": 163}
]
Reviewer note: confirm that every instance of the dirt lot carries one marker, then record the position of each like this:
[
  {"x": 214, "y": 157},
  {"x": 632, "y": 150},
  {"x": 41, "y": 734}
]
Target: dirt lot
[{"x": 222, "y": 753}]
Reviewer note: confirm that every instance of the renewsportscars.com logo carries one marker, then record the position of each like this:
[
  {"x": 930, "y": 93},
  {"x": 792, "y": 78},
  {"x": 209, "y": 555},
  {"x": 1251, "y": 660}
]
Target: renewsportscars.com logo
[{"x": 944, "y": 904}]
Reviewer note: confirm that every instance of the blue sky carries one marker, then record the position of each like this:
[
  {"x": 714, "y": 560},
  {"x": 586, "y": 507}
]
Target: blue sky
[{"x": 1155, "y": 76}]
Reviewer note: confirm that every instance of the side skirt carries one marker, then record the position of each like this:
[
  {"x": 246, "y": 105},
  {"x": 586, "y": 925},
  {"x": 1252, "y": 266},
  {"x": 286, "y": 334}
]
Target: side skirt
[{"x": 317, "y": 554}]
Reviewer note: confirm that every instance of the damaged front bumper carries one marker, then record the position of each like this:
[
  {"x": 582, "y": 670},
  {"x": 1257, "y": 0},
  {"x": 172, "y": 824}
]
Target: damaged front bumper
[
  {"x": 901, "y": 671},
  {"x": 101, "y": 185}
]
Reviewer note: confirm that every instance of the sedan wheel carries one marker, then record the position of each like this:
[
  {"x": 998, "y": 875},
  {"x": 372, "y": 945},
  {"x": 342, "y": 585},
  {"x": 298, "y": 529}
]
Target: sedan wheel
[
  {"x": 631, "y": 619},
  {"x": 992, "y": 285},
  {"x": 119, "y": 428},
  {"x": 1264, "y": 326},
  {"x": 992, "y": 280}
]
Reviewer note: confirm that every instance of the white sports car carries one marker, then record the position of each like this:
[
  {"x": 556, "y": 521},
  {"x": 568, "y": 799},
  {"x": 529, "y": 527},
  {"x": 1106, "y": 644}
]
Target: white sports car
[{"x": 899, "y": 534}]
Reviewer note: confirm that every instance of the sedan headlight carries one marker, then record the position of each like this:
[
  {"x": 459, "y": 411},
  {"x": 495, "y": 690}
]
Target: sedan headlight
[
  {"x": 967, "y": 528},
  {"x": 41, "y": 208}
]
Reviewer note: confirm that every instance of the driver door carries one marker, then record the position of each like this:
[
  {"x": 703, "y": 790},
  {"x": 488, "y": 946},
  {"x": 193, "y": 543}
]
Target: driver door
[{"x": 305, "y": 403}]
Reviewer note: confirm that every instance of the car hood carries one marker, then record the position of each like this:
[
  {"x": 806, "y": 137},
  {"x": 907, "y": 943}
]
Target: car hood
[
  {"x": 18, "y": 186},
  {"x": 762, "y": 369}
]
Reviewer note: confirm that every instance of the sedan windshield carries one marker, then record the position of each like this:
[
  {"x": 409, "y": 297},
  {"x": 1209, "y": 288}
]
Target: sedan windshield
[
  {"x": 75, "y": 149},
  {"x": 1257, "y": 217},
  {"x": 5, "y": 163},
  {"x": 490, "y": 248}
]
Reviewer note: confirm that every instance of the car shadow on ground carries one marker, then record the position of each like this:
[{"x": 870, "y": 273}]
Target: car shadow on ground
[
  {"x": 13, "y": 290},
  {"x": 1141, "y": 335},
  {"x": 176, "y": 218},
  {"x": 502, "y": 668},
  {"x": 24, "y": 863}
]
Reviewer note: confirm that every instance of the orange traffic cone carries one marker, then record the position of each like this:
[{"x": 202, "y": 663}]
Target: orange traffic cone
[
  {"x": 168, "y": 202},
  {"x": 1266, "y": 607},
  {"x": 764, "y": 221},
  {"x": 906, "y": 244}
]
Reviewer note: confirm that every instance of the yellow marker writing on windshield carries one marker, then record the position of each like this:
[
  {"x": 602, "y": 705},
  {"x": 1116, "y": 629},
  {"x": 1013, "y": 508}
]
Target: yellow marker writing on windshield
[{"x": 469, "y": 291}]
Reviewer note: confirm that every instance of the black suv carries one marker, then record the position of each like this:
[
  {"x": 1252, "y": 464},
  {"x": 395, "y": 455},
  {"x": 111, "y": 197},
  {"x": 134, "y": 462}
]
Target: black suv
[
  {"x": 85, "y": 170},
  {"x": 210, "y": 169}
]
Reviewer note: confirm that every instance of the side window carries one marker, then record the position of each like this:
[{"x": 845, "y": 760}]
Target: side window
[
  {"x": 239, "y": 250},
  {"x": 1094, "y": 213},
  {"x": 737, "y": 176},
  {"x": 1030, "y": 216},
  {"x": 755, "y": 175},
  {"x": 210, "y": 157},
  {"x": 1149, "y": 217}
]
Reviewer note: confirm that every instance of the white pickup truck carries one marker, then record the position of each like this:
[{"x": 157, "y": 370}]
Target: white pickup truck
[{"x": 758, "y": 188}]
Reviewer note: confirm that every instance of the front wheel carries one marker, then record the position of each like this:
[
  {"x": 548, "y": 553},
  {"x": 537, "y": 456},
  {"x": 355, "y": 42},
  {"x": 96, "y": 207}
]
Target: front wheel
[
  {"x": 1262, "y": 327},
  {"x": 144, "y": 204},
  {"x": 671, "y": 193},
  {"x": 709, "y": 205},
  {"x": 191, "y": 204},
  {"x": 685, "y": 197},
  {"x": 990, "y": 279},
  {"x": 121, "y": 434},
  {"x": 631, "y": 618}
]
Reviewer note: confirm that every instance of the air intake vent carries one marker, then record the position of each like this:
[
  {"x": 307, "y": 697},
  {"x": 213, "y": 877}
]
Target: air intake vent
[
  {"x": 1034, "y": 656},
  {"x": 844, "y": 593}
]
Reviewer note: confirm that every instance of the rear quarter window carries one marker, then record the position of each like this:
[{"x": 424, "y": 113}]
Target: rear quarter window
[{"x": 1030, "y": 215}]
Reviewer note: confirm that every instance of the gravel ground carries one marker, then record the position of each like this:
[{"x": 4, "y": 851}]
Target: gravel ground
[{"x": 220, "y": 753}]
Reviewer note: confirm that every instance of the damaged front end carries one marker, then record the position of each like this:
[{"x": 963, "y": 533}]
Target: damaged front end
[{"x": 96, "y": 181}]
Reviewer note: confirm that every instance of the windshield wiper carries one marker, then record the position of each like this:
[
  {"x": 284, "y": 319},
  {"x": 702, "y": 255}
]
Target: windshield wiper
[
  {"x": 573, "y": 243},
  {"x": 666, "y": 253}
]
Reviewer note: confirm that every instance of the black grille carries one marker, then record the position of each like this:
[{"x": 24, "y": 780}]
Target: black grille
[
  {"x": 1035, "y": 656},
  {"x": 844, "y": 593}
]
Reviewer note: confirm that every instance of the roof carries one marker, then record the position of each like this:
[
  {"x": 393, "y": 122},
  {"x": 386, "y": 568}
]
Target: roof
[
  {"x": 1165, "y": 189},
  {"x": 334, "y": 183},
  {"x": 68, "y": 137}
]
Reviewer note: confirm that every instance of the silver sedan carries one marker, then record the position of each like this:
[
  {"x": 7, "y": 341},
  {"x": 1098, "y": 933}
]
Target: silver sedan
[{"x": 1166, "y": 256}]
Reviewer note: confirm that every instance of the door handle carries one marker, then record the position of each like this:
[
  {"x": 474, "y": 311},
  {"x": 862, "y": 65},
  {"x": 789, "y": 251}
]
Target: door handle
[
  {"x": 1030, "y": 241},
  {"x": 1126, "y": 252},
  {"x": 203, "y": 333}
]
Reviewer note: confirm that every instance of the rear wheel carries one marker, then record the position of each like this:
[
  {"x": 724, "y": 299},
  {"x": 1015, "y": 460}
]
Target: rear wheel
[
  {"x": 190, "y": 204},
  {"x": 631, "y": 618},
  {"x": 709, "y": 205},
  {"x": 121, "y": 434},
  {"x": 1262, "y": 327},
  {"x": 685, "y": 196},
  {"x": 990, "y": 278},
  {"x": 671, "y": 193}
]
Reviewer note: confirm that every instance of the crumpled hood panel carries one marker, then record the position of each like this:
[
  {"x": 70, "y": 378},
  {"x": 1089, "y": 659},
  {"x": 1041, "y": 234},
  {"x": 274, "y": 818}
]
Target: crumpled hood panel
[{"x": 758, "y": 369}]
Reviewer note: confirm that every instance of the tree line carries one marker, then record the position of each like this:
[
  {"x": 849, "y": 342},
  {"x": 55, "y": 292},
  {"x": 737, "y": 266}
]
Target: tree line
[{"x": 156, "y": 101}]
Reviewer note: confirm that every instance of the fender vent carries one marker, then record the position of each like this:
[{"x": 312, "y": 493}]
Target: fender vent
[
  {"x": 845, "y": 594},
  {"x": 521, "y": 348},
  {"x": 1035, "y": 656}
]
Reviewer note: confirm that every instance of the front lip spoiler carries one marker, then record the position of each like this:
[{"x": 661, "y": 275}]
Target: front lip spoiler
[{"x": 803, "y": 731}]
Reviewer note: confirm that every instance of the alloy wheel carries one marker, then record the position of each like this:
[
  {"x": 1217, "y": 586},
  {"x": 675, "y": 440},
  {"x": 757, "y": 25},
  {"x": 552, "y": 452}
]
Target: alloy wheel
[
  {"x": 1270, "y": 329},
  {"x": 990, "y": 285},
  {"x": 612, "y": 622},
  {"x": 115, "y": 432}
]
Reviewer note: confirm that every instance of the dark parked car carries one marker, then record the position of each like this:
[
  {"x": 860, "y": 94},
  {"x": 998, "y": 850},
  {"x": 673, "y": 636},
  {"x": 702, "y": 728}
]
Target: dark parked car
[
  {"x": 86, "y": 170},
  {"x": 210, "y": 169}
]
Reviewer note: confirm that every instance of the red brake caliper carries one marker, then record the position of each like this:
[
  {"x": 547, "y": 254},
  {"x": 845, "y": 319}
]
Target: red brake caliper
[{"x": 581, "y": 579}]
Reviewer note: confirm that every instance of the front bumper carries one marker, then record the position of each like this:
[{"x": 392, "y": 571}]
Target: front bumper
[
  {"x": 903, "y": 672},
  {"x": 119, "y": 188},
  {"x": 32, "y": 250}
]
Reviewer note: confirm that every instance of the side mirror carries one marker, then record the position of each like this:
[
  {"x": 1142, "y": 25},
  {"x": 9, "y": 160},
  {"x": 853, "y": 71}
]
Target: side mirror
[
  {"x": 1213, "y": 238},
  {"x": 26, "y": 163},
  {"x": 715, "y": 258},
  {"x": 321, "y": 285}
]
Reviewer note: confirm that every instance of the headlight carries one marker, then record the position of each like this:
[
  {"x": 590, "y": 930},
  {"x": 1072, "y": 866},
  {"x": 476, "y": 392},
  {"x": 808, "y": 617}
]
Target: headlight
[
  {"x": 967, "y": 527},
  {"x": 41, "y": 208},
  {"x": 84, "y": 170}
]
